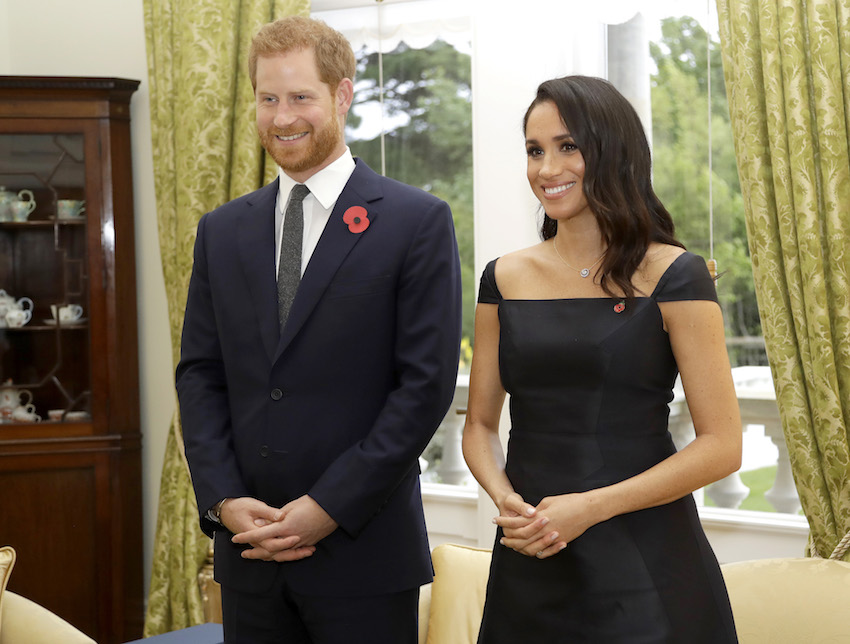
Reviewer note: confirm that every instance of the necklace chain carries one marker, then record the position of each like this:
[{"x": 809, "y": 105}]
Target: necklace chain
[{"x": 584, "y": 272}]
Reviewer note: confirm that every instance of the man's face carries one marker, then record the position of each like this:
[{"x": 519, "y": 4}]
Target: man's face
[{"x": 299, "y": 119}]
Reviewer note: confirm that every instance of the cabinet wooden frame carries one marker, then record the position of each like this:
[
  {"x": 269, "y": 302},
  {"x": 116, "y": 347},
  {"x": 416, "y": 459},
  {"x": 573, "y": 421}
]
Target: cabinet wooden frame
[{"x": 70, "y": 492}]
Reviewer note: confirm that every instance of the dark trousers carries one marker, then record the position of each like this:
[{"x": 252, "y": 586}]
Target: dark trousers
[{"x": 285, "y": 617}]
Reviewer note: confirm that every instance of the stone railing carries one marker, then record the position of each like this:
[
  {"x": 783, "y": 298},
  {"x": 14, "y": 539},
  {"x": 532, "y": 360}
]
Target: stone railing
[
  {"x": 452, "y": 469},
  {"x": 757, "y": 402}
]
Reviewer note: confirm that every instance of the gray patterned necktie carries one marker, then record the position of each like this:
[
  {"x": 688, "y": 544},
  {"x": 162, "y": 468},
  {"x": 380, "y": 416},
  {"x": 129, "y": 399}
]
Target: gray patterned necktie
[{"x": 289, "y": 268}]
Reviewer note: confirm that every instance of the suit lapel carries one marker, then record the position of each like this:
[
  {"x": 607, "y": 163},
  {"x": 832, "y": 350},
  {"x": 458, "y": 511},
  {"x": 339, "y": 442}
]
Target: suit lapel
[
  {"x": 257, "y": 253},
  {"x": 363, "y": 189}
]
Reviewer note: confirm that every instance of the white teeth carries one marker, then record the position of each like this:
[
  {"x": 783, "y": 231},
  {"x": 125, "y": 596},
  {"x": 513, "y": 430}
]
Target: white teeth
[
  {"x": 292, "y": 137},
  {"x": 558, "y": 189}
]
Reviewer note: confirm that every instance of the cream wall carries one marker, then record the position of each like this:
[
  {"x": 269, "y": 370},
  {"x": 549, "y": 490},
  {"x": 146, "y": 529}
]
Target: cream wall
[{"x": 106, "y": 38}]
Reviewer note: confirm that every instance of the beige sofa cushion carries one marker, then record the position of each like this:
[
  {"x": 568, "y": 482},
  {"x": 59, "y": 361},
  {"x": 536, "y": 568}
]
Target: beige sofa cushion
[
  {"x": 457, "y": 594},
  {"x": 7, "y": 562},
  {"x": 790, "y": 601},
  {"x": 26, "y": 622}
]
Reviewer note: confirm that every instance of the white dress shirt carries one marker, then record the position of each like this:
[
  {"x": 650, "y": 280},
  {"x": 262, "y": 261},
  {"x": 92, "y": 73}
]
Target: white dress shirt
[{"x": 325, "y": 187}]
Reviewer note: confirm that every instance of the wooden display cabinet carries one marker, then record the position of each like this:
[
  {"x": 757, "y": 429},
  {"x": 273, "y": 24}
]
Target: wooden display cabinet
[{"x": 70, "y": 444}]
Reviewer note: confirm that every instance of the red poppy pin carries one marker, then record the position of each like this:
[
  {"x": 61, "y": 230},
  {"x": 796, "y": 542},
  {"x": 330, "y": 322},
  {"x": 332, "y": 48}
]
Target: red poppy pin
[
  {"x": 620, "y": 306},
  {"x": 357, "y": 219}
]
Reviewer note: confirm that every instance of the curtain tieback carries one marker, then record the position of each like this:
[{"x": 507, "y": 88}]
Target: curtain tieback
[{"x": 840, "y": 550}]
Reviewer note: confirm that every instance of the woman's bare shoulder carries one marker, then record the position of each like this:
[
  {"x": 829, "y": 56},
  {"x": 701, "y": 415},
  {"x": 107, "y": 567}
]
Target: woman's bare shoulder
[
  {"x": 656, "y": 261},
  {"x": 518, "y": 266},
  {"x": 518, "y": 261}
]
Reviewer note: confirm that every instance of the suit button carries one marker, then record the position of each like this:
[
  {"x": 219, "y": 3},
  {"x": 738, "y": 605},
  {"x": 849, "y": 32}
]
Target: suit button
[
  {"x": 277, "y": 394},
  {"x": 264, "y": 451}
]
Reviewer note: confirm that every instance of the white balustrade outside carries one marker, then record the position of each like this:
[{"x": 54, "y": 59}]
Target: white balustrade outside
[
  {"x": 455, "y": 514},
  {"x": 452, "y": 469},
  {"x": 757, "y": 402}
]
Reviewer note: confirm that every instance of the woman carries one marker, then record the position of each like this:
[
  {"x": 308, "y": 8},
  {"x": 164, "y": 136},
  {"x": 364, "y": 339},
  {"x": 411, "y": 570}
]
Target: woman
[{"x": 599, "y": 539}]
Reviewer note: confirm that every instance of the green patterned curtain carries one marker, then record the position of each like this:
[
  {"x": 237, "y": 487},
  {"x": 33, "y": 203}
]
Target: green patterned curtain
[
  {"x": 206, "y": 152},
  {"x": 787, "y": 69}
]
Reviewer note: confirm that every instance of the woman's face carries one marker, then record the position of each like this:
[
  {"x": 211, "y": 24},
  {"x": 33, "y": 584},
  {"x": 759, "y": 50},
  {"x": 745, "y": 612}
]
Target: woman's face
[{"x": 555, "y": 164}]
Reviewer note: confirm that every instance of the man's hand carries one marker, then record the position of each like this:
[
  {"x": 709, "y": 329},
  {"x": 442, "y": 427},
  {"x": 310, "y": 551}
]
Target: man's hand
[
  {"x": 245, "y": 514},
  {"x": 290, "y": 533}
]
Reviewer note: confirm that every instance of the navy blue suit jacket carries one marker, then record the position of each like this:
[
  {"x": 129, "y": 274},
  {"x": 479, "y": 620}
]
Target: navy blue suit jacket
[{"x": 340, "y": 405}]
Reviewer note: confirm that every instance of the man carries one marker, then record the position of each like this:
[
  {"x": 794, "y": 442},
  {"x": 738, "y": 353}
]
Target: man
[{"x": 307, "y": 398}]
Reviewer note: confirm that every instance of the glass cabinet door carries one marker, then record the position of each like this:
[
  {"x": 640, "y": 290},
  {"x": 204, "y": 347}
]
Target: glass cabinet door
[{"x": 45, "y": 373}]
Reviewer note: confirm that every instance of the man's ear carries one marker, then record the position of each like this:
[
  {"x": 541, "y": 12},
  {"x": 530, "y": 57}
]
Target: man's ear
[{"x": 344, "y": 96}]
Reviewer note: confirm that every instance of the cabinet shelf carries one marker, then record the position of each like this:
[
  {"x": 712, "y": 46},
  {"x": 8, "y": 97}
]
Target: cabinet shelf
[
  {"x": 44, "y": 327},
  {"x": 42, "y": 223}
]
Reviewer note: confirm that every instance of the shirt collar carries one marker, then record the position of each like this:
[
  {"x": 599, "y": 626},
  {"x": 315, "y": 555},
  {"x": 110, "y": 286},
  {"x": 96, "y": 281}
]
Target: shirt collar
[{"x": 326, "y": 185}]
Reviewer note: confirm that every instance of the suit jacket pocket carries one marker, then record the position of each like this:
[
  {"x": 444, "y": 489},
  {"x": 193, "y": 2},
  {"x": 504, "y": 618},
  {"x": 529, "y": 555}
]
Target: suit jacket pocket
[{"x": 359, "y": 287}]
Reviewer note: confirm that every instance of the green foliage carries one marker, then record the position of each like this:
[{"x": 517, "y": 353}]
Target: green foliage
[
  {"x": 427, "y": 101},
  {"x": 680, "y": 155}
]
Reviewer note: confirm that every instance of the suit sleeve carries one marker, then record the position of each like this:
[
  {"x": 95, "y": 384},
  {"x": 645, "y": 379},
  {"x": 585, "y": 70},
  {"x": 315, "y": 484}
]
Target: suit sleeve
[
  {"x": 202, "y": 394},
  {"x": 358, "y": 483}
]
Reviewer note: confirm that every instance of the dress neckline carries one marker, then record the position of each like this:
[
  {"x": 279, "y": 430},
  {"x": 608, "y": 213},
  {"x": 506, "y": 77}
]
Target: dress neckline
[{"x": 658, "y": 285}]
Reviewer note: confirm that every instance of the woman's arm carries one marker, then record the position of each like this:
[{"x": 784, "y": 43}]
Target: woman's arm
[
  {"x": 482, "y": 448},
  {"x": 697, "y": 338}
]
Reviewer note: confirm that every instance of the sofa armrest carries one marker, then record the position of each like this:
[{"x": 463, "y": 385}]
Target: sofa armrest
[
  {"x": 788, "y": 601},
  {"x": 457, "y": 594},
  {"x": 25, "y": 622}
]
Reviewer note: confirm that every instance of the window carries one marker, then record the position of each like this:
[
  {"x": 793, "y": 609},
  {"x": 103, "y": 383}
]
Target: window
[
  {"x": 660, "y": 62},
  {"x": 695, "y": 175},
  {"x": 412, "y": 120}
]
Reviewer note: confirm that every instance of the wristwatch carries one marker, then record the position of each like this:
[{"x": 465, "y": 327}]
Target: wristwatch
[{"x": 215, "y": 512}]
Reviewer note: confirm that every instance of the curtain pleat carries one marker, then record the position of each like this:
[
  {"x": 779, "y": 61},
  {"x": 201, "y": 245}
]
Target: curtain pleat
[
  {"x": 206, "y": 152},
  {"x": 787, "y": 70}
]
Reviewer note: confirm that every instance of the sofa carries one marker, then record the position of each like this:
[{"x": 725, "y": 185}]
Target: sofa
[
  {"x": 25, "y": 622},
  {"x": 774, "y": 601}
]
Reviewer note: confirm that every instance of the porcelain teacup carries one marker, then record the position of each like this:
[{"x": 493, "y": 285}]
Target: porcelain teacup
[
  {"x": 17, "y": 318},
  {"x": 10, "y": 204},
  {"x": 25, "y": 414},
  {"x": 67, "y": 313},
  {"x": 21, "y": 209},
  {"x": 7, "y": 303},
  {"x": 70, "y": 208}
]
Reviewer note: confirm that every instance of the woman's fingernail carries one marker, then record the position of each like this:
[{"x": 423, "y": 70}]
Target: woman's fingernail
[
  {"x": 501, "y": 542},
  {"x": 544, "y": 521}
]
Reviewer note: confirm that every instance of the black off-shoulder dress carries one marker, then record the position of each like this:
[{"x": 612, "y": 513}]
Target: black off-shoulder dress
[{"x": 589, "y": 382}]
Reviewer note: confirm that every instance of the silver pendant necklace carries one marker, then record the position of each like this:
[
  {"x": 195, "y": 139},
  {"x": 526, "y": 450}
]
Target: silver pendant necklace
[{"x": 584, "y": 272}]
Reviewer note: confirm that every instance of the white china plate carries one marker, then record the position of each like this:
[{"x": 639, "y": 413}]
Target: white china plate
[{"x": 52, "y": 322}]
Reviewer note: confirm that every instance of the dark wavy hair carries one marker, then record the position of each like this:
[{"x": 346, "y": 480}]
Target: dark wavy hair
[{"x": 617, "y": 178}]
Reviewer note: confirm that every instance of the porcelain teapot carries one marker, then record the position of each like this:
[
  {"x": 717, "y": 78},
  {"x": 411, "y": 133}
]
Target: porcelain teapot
[
  {"x": 9, "y": 303},
  {"x": 11, "y": 398}
]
